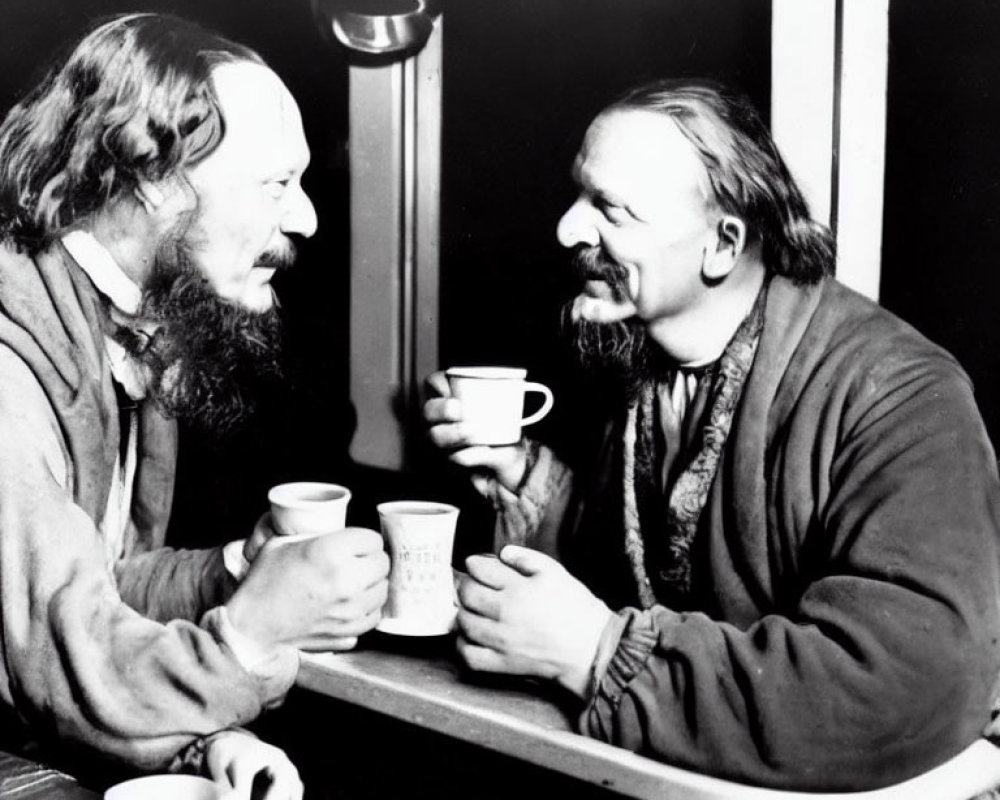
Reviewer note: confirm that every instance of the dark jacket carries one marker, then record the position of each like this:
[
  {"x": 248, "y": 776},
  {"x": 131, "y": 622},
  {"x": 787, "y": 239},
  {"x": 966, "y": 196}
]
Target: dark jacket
[{"x": 844, "y": 631}]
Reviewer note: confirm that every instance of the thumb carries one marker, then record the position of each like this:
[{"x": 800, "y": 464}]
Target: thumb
[{"x": 525, "y": 560}]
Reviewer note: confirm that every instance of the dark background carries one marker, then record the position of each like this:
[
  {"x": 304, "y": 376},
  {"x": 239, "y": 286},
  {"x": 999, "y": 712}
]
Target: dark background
[{"x": 522, "y": 78}]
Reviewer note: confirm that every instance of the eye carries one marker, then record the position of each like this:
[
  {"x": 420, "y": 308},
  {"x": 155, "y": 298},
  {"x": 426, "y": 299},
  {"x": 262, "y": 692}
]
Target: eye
[
  {"x": 277, "y": 186},
  {"x": 615, "y": 214}
]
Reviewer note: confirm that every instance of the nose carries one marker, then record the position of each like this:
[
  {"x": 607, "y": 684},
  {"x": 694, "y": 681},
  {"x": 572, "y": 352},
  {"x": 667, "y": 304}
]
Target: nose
[
  {"x": 299, "y": 214},
  {"x": 577, "y": 225}
]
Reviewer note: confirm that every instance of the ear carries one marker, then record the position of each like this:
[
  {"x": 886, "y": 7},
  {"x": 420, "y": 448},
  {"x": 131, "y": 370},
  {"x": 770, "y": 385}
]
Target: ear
[
  {"x": 732, "y": 236},
  {"x": 150, "y": 196}
]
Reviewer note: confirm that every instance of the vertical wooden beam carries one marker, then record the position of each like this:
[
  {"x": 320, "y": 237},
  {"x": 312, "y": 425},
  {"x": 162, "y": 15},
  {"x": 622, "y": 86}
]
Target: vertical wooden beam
[
  {"x": 828, "y": 103},
  {"x": 803, "y": 83},
  {"x": 863, "y": 75},
  {"x": 395, "y": 142}
]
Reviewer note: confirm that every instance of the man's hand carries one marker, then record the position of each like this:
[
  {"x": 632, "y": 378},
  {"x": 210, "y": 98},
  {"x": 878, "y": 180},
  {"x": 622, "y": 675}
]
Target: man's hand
[
  {"x": 234, "y": 760},
  {"x": 314, "y": 594},
  {"x": 524, "y": 614},
  {"x": 263, "y": 532},
  {"x": 443, "y": 414}
]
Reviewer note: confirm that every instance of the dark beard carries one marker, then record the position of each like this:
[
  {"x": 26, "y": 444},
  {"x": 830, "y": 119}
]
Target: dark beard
[
  {"x": 209, "y": 358},
  {"x": 622, "y": 350}
]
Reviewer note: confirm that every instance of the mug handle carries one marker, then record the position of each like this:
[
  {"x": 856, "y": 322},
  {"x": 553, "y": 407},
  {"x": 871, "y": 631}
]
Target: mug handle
[{"x": 546, "y": 404}]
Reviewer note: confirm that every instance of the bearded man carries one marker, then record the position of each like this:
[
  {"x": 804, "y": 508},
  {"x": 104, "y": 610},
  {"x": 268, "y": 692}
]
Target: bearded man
[
  {"x": 782, "y": 565},
  {"x": 149, "y": 190}
]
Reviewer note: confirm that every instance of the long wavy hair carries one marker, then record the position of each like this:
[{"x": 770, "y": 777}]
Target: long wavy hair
[
  {"x": 133, "y": 101},
  {"x": 748, "y": 177}
]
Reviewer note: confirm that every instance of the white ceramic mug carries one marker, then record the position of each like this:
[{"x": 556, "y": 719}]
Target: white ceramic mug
[
  {"x": 308, "y": 508},
  {"x": 419, "y": 537},
  {"x": 493, "y": 402},
  {"x": 165, "y": 787}
]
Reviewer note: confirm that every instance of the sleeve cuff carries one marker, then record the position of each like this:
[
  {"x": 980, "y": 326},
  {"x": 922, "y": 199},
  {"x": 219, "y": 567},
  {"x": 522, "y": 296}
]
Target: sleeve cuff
[
  {"x": 607, "y": 645},
  {"x": 274, "y": 668},
  {"x": 632, "y": 647},
  {"x": 519, "y": 515}
]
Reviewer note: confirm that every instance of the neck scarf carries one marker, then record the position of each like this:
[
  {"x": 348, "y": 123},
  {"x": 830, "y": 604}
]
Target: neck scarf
[{"x": 689, "y": 493}]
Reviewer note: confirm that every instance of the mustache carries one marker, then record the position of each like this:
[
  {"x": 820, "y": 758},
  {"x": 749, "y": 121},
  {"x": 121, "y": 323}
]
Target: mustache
[
  {"x": 591, "y": 263},
  {"x": 278, "y": 260}
]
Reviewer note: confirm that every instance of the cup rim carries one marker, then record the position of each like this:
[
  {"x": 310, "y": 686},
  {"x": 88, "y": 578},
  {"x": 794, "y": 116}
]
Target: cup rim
[
  {"x": 169, "y": 779},
  {"x": 396, "y": 506},
  {"x": 488, "y": 372},
  {"x": 283, "y": 494}
]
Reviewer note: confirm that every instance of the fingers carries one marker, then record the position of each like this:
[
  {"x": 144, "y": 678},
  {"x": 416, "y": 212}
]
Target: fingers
[
  {"x": 337, "y": 644},
  {"x": 356, "y": 541},
  {"x": 262, "y": 532},
  {"x": 235, "y": 759},
  {"x": 479, "y": 599},
  {"x": 482, "y": 659},
  {"x": 284, "y": 786},
  {"x": 527, "y": 561},
  {"x": 241, "y": 773},
  {"x": 495, "y": 459},
  {"x": 489, "y": 570},
  {"x": 437, "y": 384}
]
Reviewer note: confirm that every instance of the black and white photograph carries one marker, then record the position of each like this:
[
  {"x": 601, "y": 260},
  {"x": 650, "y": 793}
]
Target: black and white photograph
[{"x": 483, "y": 399}]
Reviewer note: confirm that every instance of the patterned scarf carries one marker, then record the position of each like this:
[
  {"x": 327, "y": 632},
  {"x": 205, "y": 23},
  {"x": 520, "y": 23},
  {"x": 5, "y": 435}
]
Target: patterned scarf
[{"x": 689, "y": 493}]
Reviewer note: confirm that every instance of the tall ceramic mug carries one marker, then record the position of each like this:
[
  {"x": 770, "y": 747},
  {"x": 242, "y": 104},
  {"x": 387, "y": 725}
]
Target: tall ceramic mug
[
  {"x": 419, "y": 537},
  {"x": 493, "y": 402}
]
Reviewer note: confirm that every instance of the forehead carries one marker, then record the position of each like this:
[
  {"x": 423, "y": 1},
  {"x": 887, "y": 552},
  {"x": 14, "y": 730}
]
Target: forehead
[
  {"x": 263, "y": 126},
  {"x": 638, "y": 155}
]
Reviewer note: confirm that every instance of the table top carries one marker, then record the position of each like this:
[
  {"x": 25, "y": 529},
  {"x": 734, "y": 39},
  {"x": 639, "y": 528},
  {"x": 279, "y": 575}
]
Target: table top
[
  {"x": 21, "y": 779},
  {"x": 421, "y": 681}
]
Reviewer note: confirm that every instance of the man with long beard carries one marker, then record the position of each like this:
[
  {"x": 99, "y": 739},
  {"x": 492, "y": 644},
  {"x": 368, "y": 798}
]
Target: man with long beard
[
  {"x": 782, "y": 566},
  {"x": 149, "y": 190}
]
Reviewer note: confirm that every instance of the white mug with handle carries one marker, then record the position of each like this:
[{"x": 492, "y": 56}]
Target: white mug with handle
[{"x": 493, "y": 402}]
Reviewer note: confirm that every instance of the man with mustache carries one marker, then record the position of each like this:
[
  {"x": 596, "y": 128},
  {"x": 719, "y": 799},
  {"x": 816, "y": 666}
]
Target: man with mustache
[
  {"x": 150, "y": 187},
  {"x": 782, "y": 565}
]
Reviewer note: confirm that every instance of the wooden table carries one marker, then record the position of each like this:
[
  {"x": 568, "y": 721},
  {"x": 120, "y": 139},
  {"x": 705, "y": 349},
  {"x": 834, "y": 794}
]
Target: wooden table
[
  {"x": 423, "y": 684},
  {"x": 21, "y": 779}
]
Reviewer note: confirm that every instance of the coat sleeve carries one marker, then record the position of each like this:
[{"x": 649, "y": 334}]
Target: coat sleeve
[
  {"x": 881, "y": 663},
  {"x": 165, "y": 584},
  {"x": 78, "y": 665}
]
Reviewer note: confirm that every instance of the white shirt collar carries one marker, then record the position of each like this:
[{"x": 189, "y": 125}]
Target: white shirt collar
[
  {"x": 103, "y": 270},
  {"x": 125, "y": 296}
]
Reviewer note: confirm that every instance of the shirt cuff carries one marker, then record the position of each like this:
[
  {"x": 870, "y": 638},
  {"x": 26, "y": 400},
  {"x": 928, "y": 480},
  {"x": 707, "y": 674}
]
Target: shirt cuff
[
  {"x": 633, "y": 648},
  {"x": 232, "y": 557},
  {"x": 606, "y": 647},
  {"x": 274, "y": 667},
  {"x": 520, "y": 514}
]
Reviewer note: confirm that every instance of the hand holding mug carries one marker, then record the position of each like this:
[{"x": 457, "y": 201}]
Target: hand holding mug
[
  {"x": 462, "y": 405},
  {"x": 522, "y": 613},
  {"x": 317, "y": 593},
  {"x": 235, "y": 758}
]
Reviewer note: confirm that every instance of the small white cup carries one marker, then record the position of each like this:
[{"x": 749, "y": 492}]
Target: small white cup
[
  {"x": 493, "y": 402},
  {"x": 308, "y": 508},
  {"x": 165, "y": 787},
  {"x": 420, "y": 536}
]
